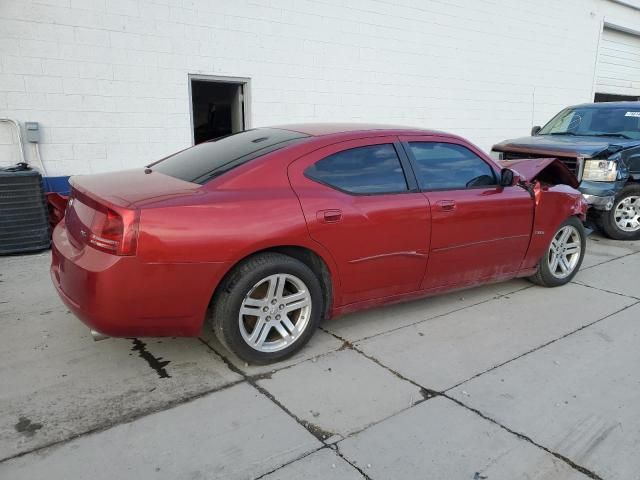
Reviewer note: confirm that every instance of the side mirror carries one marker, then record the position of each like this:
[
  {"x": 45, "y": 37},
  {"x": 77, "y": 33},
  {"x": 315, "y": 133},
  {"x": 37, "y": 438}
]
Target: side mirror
[
  {"x": 535, "y": 130},
  {"x": 506, "y": 177}
]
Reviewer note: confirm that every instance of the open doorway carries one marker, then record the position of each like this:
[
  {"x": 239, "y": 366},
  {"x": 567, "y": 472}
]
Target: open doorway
[{"x": 218, "y": 106}]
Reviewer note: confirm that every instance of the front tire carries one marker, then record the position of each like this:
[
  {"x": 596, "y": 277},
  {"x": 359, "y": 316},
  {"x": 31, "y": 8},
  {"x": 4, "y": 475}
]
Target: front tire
[
  {"x": 267, "y": 308},
  {"x": 622, "y": 222},
  {"x": 563, "y": 257}
]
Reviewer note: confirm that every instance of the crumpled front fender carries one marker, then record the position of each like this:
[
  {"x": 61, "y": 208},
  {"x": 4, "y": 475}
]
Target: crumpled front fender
[
  {"x": 572, "y": 199},
  {"x": 553, "y": 205}
]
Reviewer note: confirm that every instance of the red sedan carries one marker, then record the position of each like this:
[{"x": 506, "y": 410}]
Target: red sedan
[{"x": 265, "y": 233}]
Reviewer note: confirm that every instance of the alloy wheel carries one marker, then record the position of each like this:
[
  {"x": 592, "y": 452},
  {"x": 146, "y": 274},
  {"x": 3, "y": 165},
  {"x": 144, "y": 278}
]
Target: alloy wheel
[
  {"x": 275, "y": 312},
  {"x": 627, "y": 214},
  {"x": 564, "y": 252}
]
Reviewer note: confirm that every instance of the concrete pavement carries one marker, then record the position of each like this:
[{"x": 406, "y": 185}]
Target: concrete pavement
[{"x": 505, "y": 381}]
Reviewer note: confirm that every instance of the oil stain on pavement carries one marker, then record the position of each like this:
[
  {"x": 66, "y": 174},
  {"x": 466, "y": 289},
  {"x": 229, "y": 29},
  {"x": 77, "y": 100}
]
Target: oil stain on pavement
[
  {"x": 157, "y": 363},
  {"x": 27, "y": 427}
]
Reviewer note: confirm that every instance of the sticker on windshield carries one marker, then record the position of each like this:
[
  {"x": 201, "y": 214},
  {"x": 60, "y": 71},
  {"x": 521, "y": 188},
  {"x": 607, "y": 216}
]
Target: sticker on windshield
[{"x": 632, "y": 114}]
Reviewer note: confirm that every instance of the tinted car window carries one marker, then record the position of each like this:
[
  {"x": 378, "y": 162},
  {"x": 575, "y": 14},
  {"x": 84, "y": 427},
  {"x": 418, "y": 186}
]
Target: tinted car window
[
  {"x": 364, "y": 170},
  {"x": 208, "y": 160},
  {"x": 449, "y": 166}
]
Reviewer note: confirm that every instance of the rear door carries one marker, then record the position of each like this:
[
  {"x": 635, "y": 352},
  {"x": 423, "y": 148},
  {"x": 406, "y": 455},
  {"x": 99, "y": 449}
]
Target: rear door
[
  {"x": 361, "y": 202},
  {"x": 480, "y": 230}
]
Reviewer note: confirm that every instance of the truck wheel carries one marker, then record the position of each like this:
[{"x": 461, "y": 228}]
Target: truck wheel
[
  {"x": 563, "y": 258},
  {"x": 622, "y": 222},
  {"x": 267, "y": 308}
]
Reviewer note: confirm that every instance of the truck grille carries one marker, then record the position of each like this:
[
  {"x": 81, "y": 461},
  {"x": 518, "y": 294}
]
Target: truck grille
[{"x": 572, "y": 163}]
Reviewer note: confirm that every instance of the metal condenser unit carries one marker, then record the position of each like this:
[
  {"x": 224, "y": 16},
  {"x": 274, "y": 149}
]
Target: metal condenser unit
[{"x": 24, "y": 223}]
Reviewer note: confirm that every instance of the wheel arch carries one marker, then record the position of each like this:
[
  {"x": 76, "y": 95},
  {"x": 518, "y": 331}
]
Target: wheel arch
[
  {"x": 546, "y": 275},
  {"x": 312, "y": 259},
  {"x": 606, "y": 219},
  {"x": 554, "y": 205}
]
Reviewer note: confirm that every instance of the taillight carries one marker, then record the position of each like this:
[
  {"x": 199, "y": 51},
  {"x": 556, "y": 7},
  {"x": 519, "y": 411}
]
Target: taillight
[{"x": 114, "y": 232}]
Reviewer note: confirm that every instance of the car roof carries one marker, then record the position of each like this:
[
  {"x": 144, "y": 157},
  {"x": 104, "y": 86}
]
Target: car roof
[
  {"x": 321, "y": 129},
  {"x": 630, "y": 104}
]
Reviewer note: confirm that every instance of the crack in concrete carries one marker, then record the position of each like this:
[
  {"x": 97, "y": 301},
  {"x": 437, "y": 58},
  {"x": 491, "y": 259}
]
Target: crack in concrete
[
  {"x": 275, "y": 368},
  {"x": 605, "y": 290},
  {"x": 314, "y": 430},
  {"x": 417, "y": 322},
  {"x": 567, "y": 460},
  {"x": 317, "y": 432},
  {"x": 360, "y": 471},
  {"x": 332, "y": 447},
  {"x": 128, "y": 418},
  {"x": 608, "y": 261},
  {"x": 324, "y": 447},
  {"x": 426, "y": 393},
  {"x": 539, "y": 347},
  {"x": 433, "y": 393}
]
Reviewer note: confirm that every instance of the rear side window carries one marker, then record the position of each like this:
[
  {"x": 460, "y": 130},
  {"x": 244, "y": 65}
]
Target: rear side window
[
  {"x": 447, "y": 166},
  {"x": 209, "y": 160},
  {"x": 374, "y": 169}
]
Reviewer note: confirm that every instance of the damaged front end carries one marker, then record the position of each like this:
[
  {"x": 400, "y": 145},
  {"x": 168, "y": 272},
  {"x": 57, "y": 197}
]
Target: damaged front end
[
  {"x": 540, "y": 175},
  {"x": 553, "y": 188},
  {"x": 549, "y": 171}
]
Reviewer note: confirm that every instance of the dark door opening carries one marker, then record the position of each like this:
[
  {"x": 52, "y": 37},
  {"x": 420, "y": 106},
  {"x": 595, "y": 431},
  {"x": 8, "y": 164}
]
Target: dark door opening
[
  {"x": 610, "y": 97},
  {"x": 217, "y": 109}
]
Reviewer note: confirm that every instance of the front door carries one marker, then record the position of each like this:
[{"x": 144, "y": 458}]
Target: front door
[
  {"x": 480, "y": 230},
  {"x": 360, "y": 205}
]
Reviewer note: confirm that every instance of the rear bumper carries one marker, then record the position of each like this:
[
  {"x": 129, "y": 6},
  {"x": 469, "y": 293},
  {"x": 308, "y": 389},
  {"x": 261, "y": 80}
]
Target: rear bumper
[{"x": 120, "y": 296}]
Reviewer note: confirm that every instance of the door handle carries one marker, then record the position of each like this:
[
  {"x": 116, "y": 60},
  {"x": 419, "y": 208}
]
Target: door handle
[
  {"x": 446, "y": 205},
  {"x": 329, "y": 216}
]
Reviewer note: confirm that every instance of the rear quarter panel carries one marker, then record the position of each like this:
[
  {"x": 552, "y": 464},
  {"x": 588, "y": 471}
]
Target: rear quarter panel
[
  {"x": 246, "y": 211},
  {"x": 222, "y": 227}
]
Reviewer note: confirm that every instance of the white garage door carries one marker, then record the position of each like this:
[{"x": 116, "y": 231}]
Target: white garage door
[{"x": 618, "y": 69}]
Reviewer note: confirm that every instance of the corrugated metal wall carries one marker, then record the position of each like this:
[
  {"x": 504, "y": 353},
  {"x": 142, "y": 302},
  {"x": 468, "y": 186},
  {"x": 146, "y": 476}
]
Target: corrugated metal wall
[{"x": 618, "y": 70}]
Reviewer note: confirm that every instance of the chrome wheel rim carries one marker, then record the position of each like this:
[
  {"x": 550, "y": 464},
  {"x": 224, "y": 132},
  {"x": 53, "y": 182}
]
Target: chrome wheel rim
[
  {"x": 275, "y": 313},
  {"x": 564, "y": 252},
  {"x": 627, "y": 214}
]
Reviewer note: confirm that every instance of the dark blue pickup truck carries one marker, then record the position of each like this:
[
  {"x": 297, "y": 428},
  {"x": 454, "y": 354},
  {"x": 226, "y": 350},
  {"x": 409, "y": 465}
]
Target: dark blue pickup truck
[{"x": 600, "y": 143}]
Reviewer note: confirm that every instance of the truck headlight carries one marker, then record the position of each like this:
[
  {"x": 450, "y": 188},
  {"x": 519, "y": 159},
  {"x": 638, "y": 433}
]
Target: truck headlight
[
  {"x": 600, "y": 170},
  {"x": 497, "y": 155}
]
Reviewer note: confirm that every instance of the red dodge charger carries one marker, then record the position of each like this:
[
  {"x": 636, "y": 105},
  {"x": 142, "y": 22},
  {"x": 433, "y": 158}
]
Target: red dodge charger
[{"x": 265, "y": 233}]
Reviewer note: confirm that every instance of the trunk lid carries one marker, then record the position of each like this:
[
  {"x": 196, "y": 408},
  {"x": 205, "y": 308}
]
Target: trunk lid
[
  {"x": 104, "y": 210},
  {"x": 132, "y": 188}
]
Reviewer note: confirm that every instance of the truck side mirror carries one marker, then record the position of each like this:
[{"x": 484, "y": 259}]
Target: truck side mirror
[
  {"x": 535, "y": 130},
  {"x": 506, "y": 177}
]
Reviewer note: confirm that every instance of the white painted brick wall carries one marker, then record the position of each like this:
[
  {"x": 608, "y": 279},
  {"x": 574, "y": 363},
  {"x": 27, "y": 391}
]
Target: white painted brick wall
[{"x": 108, "y": 79}]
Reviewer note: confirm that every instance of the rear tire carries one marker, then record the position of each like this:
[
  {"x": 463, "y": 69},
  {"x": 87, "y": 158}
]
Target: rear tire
[
  {"x": 562, "y": 259},
  {"x": 622, "y": 222},
  {"x": 267, "y": 308}
]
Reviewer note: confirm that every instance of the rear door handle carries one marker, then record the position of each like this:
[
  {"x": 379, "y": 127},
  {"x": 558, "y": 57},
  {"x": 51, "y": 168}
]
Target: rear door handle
[
  {"x": 329, "y": 216},
  {"x": 446, "y": 205}
]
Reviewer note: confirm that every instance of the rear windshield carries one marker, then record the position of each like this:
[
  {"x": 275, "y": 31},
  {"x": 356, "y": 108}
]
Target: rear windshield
[{"x": 211, "y": 159}]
